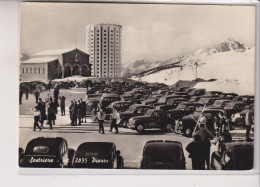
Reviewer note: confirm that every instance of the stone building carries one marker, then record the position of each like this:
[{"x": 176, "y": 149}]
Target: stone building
[
  {"x": 52, "y": 64},
  {"x": 104, "y": 46}
]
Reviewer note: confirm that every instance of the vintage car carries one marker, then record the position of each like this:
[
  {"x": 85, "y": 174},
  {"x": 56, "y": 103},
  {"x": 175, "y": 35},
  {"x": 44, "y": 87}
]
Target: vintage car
[
  {"x": 159, "y": 154},
  {"x": 153, "y": 118},
  {"x": 194, "y": 98},
  {"x": 188, "y": 123},
  {"x": 171, "y": 104},
  {"x": 119, "y": 106},
  {"x": 238, "y": 119},
  {"x": 91, "y": 104},
  {"x": 151, "y": 99},
  {"x": 184, "y": 109},
  {"x": 107, "y": 99},
  {"x": 212, "y": 94},
  {"x": 164, "y": 99},
  {"x": 247, "y": 99},
  {"x": 207, "y": 101},
  {"x": 233, "y": 107},
  {"x": 227, "y": 95},
  {"x": 233, "y": 156},
  {"x": 47, "y": 153},
  {"x": 197, "y": 92},
  {"x": 133, "y": 110},
  {"x": 220, "y": 103},
  {"x": 97, "y": 155}
]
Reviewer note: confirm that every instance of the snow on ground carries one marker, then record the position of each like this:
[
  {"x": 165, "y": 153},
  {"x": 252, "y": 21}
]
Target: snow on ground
[{"x": 234, "y": 71}]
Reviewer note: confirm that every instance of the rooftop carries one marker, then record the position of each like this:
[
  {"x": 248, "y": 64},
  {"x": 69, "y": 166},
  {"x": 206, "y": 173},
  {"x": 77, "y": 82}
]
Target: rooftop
[{"x": 38, "y": 60}]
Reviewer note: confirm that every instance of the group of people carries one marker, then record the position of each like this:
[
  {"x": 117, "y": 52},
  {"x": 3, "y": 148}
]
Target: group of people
[
  {"x": 77, "y": 111},
  {"x": 101, "y": 115}
]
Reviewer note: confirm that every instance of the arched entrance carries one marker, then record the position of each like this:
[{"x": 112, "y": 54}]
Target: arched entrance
[
  {"x": 67, "y": 71},
  {"x": 76, "y": 70},
  {"x": 85, "y": 71}
]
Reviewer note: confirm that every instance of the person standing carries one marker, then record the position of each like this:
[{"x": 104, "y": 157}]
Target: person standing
[
  {"x": 36, "y": 114},
  {"x": 249, "y": 121},
  {"x": 36, "y": 94},
  {"x": 56, "y": 105},
  {"x": 205, "y": 136},
  {"x": 84, "y": 109},
  {"x": 41, "y": 106},
  {"x": 75, "y": 113},
  {"x": 21, "y": 96},
  {"x": 113, "y": 121},
  {"x": 27, "y": 93},
  {"x": 62, "y": 105},
  {"x": 51, "y": 113},
  {"x": 49, "y": 86},
  {"x": 79, "y": 112},
  {"x": 71, "y": 108},
  {"x": 56, "y": 93},
  {"x": 196, "y": 148},
  {"x": 101, "y": 118}
]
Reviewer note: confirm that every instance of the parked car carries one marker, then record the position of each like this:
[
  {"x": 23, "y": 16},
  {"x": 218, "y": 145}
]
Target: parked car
[
  {"x": 47, "y": 153},
  {"x": 184, "y": 109},
  {"x": 151, "y": 99},
  {"x": 188, "y": 123},
  {"x": 159, "y": 154},
  {"x": 233, "y": 107},
  {"x": 119, "y": 106},
  {"x": 228, "y": 96},
  {"x": 164, "y": 99},
  {"x": 220, "y": 103},
  {"x": 234, "y": 156},
  {"x": 98, "y": 155},
  {"x": 238, "y": 119},
  {"x": 171, "y": 104},
  {"x": 195, "y": 98},
  {"x": 197, "y": 92},
  {"x": 247, "y": 99},
  {"x": 107, "y": 99},
  {"x": 133, "y": 110},
  {"x": 153, "y": 118},
  {"x": 207, "y": 101},
  {"x": 213, "y": 93},
  {"x": 91, "y": 104}
]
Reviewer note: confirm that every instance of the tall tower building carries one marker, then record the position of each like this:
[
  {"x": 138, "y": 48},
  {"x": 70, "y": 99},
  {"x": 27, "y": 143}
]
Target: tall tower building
[{"x": 104, "y": 46}]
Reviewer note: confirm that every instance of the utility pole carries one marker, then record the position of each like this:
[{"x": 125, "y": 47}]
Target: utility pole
[{"x": 196, "y": 73}]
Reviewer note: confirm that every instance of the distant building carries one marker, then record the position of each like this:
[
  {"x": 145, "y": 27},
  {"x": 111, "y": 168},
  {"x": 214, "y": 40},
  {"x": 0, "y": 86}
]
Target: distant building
[
  {"x": 52, "y": 64},
  {"x": 104, "y": 46}
]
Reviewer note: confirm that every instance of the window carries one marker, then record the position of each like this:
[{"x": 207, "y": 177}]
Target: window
[
  {"x": 39, "y": 70},
  {"x": 104, "y": 34},
  {"x": 43, "y": 70},
  {"x": 105, "y": 69},
  {"x": 30, "y": 70},
  {"x": 105, "y": 64},
  {"x": 35, "y": 70},
  {"x": 23, "y": 70},
  {"x": 97, "y": 68}
]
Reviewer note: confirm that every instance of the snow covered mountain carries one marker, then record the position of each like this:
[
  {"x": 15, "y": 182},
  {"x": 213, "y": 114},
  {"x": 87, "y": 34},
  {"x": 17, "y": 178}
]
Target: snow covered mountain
[{"x": 230, "y": 62}]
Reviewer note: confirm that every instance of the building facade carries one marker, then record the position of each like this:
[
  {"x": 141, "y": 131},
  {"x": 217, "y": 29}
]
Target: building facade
[
  {"x": 104, "y": 46},
  {"x": 53, "y": 64}
]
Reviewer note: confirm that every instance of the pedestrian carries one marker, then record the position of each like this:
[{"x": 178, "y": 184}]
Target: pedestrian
[
  {"x": 71, "y": 108},
  {"x": 56, "y": 93},
  {"x": 56, "y": 105},
  {"x": 75, "y": 113},
  {"x": 27, "y": 93},
  {"x": 21, "y": 96},
  {"x": 49, "y": 86},
  {"x": 205, "y": 136},
  {"x": 196, "y": 149},
  {"x": 113, "y": 121},
  {"x": 51, "y": 113},
  {"x": 36, "y": 94},
  {"x": 47, "y": 99},
  {"x": 42, "y": 108},
  {"x": 101, "y": 118},
  {"x": 36, "y": 114},
  {"x": 249, "y": 121},
  {"x": 84, "y": 109},
  {"x": 79, "y": 112},
  {"x": 62, "y": 105}
]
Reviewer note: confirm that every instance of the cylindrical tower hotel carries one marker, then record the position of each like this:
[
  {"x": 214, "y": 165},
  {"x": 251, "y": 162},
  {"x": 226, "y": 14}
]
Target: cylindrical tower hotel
[{"x": 104, "y": 46}]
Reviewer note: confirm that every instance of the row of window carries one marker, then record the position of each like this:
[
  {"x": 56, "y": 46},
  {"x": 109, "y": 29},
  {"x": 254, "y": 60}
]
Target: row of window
[
  {"x": 36, "y": 70},
  {"x": 106, "y": 68}
]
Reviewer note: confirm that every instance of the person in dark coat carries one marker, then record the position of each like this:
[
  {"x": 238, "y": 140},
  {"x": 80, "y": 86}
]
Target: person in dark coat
[
  {"x": 27, "y": 93},
  {"x": 79, "y": 112},
  {"x": 205, "y": 136},
  {"x": 36, "y": 114},
  {"x": 75, "y": 113},
  {"x": 56, "y": 104},
  {"x": 62, "y": 105},
  {"x": 196, "y": 150},
  {"x": 36, "y": 94},
  {"x": 49, "y": 86},
  {"x": 51, "y": 113},
  {"x": 21, "y": 96},
  {"x": 84, "y": 109},
  {"x": 71, "y": 108},
  {"x": 41, "y": 106},
  {"x": 56, "y": 93}
]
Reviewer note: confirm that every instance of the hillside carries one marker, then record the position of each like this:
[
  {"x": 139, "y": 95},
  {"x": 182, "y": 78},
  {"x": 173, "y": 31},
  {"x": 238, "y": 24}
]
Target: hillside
[{"x": 230, "y": 62}]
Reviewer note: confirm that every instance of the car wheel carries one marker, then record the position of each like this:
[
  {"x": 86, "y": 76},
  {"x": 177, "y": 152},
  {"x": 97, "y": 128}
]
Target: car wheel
[
  {"x": 188, "y": 132},
  {"x": 125, "y": 123},
  {"x": 140, "y": 128},
  {"x": 169, "y": 127}
]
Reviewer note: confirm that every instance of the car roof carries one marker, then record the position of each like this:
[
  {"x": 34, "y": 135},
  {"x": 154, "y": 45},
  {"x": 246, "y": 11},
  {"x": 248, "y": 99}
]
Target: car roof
[
  {"x": 211, "y": 110},
  {"x": 191, "y": 103},
  {"x": 97, "y": 147},
  {"x": 53, "y": 144},
  {"x": 110, "y": 95},
  {"x": 231, "y": 145},
  {"x": 141, "y": 105},
  {"x": 162, "y": 147}
]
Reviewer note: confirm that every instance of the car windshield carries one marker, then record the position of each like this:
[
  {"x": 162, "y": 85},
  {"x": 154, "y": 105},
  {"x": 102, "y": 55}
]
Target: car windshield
[
  {"x": 229, "y": 105},
  {"x": 181, "y": 107},
  {"x": 131, "y": 109},
  {"x": 148, "y": 112},
  {"x": 217, "y": 103}
]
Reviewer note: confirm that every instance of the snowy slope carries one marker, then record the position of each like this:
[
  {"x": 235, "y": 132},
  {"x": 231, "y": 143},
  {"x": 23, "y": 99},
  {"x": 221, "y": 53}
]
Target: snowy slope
[{"x": 230, "y": 62}]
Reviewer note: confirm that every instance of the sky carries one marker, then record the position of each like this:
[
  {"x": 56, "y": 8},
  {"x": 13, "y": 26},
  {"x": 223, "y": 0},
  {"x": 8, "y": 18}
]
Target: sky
[{"x": 153, "y": 32}]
